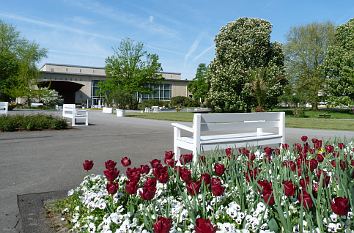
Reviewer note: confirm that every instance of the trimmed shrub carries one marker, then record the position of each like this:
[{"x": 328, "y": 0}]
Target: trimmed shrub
[
  {"x": 31, "y": 122},
  {"x": 182, "y": 101},
  {"x": 149, "y": 103}
]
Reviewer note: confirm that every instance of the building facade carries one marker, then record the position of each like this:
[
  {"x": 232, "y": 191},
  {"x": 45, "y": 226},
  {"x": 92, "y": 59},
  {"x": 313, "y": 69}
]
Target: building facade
[{"x": 79, "y": 84}]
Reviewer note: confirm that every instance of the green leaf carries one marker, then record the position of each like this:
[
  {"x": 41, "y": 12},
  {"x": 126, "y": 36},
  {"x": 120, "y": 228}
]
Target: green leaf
[{"x": 273, "y": 225}]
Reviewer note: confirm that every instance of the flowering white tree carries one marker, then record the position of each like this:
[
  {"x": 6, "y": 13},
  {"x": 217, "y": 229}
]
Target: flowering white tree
[{"x": 243, "y": 47}]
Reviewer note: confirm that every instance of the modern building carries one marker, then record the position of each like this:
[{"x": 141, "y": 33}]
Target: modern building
[{"x": 79, "y": 84}]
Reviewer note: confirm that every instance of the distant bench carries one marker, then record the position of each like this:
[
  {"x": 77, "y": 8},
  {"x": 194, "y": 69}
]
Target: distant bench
[
  {"x": 229, "y": 130},
  {"x": 70, "y": 111},
  {"x": 4, "y": 108},
  {"x": 36, "y": 105}
]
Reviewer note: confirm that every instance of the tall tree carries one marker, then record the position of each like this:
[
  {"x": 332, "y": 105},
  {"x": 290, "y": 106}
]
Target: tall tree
[
  {"x": 339, "y": 66},
  {"x": 305, "y": 52},
  {"x": 128, "y": 72},
  {"x": 199, "y": 86},
  {"x": 244, "y": 54},
  {"x": 18, "y": 58}
]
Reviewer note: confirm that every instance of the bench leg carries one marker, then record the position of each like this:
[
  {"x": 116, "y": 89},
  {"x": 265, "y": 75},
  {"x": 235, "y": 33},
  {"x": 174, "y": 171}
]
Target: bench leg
[
  {"x": 177, "y": 152},
  {"x": 86, "y": 122},
  {"x": 73, "y": 121}
]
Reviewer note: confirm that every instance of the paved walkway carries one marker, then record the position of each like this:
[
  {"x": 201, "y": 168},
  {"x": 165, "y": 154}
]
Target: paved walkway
[{"x": 32, "y": 162}]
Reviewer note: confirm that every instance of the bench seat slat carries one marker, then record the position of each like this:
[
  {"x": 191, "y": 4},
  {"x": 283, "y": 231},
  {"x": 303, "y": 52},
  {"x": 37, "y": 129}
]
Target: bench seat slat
[
  {"x": 238, "y": 125},
  {"x": 230, "y": 117},
  {"x": 225, "y": 138}
]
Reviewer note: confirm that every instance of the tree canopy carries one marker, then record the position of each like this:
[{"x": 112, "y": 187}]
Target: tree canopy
[
  {"x": 128, "y": 71},
  {"x": 305, "y": 52},
  {"x": 339, "y": 66},
  {"x": 245, "y": 58},
  {"x": 18, "y": 58},
  {"x": 199, "y": 86}
]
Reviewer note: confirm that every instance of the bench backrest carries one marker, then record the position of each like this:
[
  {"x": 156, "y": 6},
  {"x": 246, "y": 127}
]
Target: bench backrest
[
  {"x": 4, "y": 107},
  {"x": 69, "y": 110},
  {"x": 238, "y": 121}
]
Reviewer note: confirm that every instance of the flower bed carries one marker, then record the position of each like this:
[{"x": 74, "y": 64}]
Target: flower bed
[{"x": 307, "y": 187}]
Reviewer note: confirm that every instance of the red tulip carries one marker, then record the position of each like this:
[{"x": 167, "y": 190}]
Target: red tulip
[
  {"x": 185, "y": 174},
  {"x": 150, "y": 182},
  {"x": 304, "y": 182},
  {"x": 125, "y": 162},
  {"x": 329, "y": 148},
  {"x": 268, "y": 197},
  {"x": 320, "y": 158},
  {"x": 290, "y": 164},
  {"x": 228, "y": 152},
  {"x": 112, "y": 188},
  {"x": 111, "y": 174},
  {"x": 131, "y": 186},
  {"x": 154, "y": 163},
  {"x": 88, "y": 164},
  {"x": 341, "y": 145},
  {"x": 148, "y": 193},
  {"x": 110, "y": 164},
  {"x": 305, "y": 199},
  {"x": 205, "y": 177},
  {"x": 215, "y": 181},
  {"x": 169, "y": 154},
  {"x": 304, "y": 138},
  {"x": 162, "y": 225},
  {"x": 268, "y": 151},
  {"x": 217, "y": 189},
  {"x": 203, "y": 225},
  {"x": 170, "y": 162},
  {"x": 161, "y": 174},
  {"x": 340, "y": 205},
  {"x": 312, "y": 164},
  {"x": 186, "y": 158},
  {"x": 265, "y": 185},
  {"x": 144, "y": 169},
  {"x": 219, "y": 169},
  {"x": 289, "y": 188},
  {"x": 193, "y": 188},
  {"x": 133, "y": 173},
  {"x": 285, "y": 146}
]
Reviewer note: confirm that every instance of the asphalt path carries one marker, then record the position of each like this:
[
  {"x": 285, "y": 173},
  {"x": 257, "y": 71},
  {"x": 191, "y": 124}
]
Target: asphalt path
[{"x": 42, "y": 161}]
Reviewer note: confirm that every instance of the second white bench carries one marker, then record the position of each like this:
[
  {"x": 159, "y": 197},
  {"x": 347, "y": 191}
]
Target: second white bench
[
  {"x": 222, "y": 130},
  {"x": 4, "y": 108},
  {"x": 70, "y": 111}
]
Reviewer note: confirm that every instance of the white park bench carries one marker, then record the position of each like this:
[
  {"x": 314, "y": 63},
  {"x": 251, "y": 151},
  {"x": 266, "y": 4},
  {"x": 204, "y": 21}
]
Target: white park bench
[
  {"x": 4, "y": 108},
  {"x": 70, "y": 111},
  {"x": 222, "y": 130}
]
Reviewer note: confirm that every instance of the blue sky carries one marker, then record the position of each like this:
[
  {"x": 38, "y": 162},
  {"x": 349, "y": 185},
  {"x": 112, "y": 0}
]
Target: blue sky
[{"x": 181, "y": 32}]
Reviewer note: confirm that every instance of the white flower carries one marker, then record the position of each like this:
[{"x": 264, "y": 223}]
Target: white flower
[
  {"x": 334, "y": 217},
  {"x": 91, "y": 227}
]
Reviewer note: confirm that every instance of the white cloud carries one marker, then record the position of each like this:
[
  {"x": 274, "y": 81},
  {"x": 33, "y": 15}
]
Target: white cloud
[
  {"x": 124, "y": 17},
  {"x": 151, "y": 19},
  {"x": 55, "y": 26},
  {"x": 201, "y": 54},
  {"x": 82, "y": 20}
]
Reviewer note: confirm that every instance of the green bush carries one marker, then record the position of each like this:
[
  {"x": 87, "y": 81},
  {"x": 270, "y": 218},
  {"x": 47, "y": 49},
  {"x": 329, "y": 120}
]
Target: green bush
[
  {"x": 150, "y": 103},
  {"x": 182, "y": 101},
  {"x": 31, "y": 122}
]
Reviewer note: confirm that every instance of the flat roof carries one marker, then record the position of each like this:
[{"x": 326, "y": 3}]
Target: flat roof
[{"x": 93, "y": 67}]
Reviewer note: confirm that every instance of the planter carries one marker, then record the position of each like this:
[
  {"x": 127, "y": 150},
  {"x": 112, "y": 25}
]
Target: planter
[
  {"x": 107, "y": 110},
  {"x": 120, "y": 112}
]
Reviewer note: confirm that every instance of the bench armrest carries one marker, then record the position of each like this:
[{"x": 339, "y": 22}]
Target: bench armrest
[{"x": 183, "y": 127}]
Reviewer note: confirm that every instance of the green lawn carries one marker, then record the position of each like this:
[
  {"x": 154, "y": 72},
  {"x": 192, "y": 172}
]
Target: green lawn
[{"x": 292, "y": 122}]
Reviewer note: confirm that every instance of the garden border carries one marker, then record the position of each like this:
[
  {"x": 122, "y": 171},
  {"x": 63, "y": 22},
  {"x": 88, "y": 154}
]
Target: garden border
[{"x": 32, "y": 215}]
